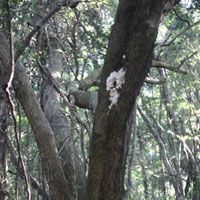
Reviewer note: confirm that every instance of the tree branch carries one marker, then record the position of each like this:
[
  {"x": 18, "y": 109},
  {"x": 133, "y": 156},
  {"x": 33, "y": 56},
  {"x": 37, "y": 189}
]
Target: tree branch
[
  {"x": 25, "y": 43},
  {"x": 180, "y": 33},
  {"x": 161, "y": 64},
  {"x": 158, "y": 138}
]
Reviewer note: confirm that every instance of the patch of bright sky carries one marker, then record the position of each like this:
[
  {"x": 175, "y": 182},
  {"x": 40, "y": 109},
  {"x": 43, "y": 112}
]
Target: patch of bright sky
[
  {"x": 162, "y": 32},
  {"x": 186, "y": 3}
]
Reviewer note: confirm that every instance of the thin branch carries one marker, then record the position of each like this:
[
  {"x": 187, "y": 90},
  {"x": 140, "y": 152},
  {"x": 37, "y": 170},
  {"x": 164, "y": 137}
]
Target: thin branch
[
  {"x": 180, "y": 33},
  {"x": 34, "y": 182},
  {"x": 8, "y": 93},
  {"x": 160, "y": 142},
  {"x": 179, "y": 17},
  {"x": 25, "y": 43},
  {"x": 161, "y": 64},
  {"x": 186, "y": 59}
]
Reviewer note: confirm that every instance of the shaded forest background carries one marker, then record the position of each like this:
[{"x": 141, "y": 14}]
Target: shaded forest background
[{"x": 64, "y": 60}]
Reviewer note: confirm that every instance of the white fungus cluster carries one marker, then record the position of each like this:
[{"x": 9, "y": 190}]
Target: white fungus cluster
[{"x": 113, "y": 84}]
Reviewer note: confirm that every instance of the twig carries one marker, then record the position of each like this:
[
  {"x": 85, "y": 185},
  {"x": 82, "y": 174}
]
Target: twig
[
  {"x": 186, "y": 58},
  {"x": 34, "y": 183}
]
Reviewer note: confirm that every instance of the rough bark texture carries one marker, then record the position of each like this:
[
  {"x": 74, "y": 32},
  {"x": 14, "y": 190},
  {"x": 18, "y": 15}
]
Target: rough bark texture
[
  {"x": 132, "y": 37},
  {"x": 41, "y": 128}
]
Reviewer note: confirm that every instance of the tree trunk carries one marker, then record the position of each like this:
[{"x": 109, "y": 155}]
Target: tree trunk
[
  {"x": 50, "y": 101},
  {"x": 3, "y": 139},
  {"x": 132, "y": 147},
  {"x": 142, "y": 164},
  {"x": 173, "y": 123},
  {"x": 41, "y": 128},
  {"x": 129, "y": 51},
  {"x": 56, "y": 116},
  {"x": 5, "y": 71}
]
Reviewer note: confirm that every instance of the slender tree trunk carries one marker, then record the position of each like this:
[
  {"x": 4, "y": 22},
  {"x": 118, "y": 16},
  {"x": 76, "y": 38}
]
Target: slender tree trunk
[
  {"x": 132, "y": 145},
  {"x": 55, "y": 114},
  {"x": 41, "y": 128},
  {"x": 59, "y": 123},
  {"x": 162, "y": 186},
  {"x": 50, "y": 101},
  {"x": 5, "y": 72},
  {"x": 3, "y": 140},
  {"x": 130, "y": 48},
  {"x": 4, "y": 110},
  {"x": 145, "y": 180},
  {"x": 175, "y": 127}
]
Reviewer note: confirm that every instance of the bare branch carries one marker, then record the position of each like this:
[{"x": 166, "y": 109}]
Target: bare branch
[
  {"x": 25, "y": 43},
  {"x": 180, "y": 18},
  {"x": 181, "y": 33},
  {"x": 154, "y": 81},
  {"x": 160, "y": 142},
  {"x": 161, "y": 64}
]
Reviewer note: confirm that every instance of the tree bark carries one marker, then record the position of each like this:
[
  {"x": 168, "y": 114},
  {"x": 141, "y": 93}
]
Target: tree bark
[{"x": 130, "y": 48}]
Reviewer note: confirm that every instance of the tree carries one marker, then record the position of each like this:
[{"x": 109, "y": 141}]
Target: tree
[
  {"x": 129, "y": 57},
  {"x": 138, "y": 150}
]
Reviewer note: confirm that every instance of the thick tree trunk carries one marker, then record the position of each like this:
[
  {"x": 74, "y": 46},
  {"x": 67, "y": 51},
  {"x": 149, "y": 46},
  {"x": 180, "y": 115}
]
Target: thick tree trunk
[
  {"x": 41, "y": 128},
  {"x": 130, "y": 48}
]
